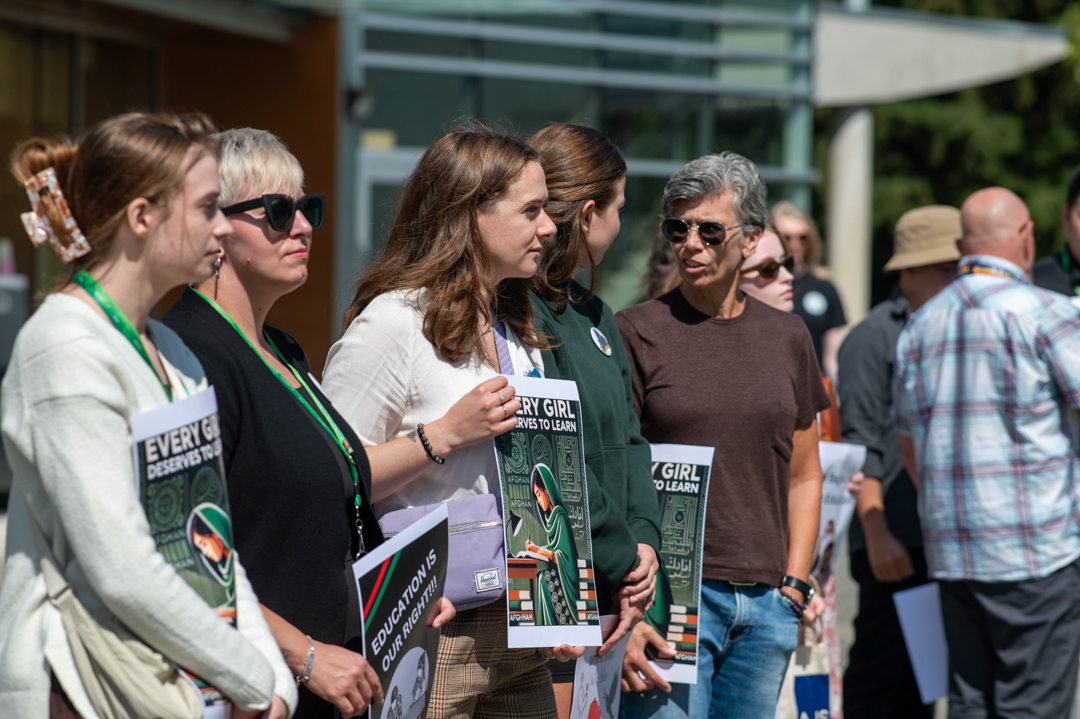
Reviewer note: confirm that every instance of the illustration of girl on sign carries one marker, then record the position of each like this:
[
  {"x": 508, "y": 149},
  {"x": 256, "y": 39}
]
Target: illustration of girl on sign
[
  {"x": 210, "y": 532},
  {"x": 557, "y": 591}
]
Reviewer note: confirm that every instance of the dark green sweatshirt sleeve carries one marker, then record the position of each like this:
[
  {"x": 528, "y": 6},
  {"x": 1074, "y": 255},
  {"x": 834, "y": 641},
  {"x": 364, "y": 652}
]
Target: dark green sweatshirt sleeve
[
  {"x": 642, "y": 508},
  {"x": 614, "y": 545}
]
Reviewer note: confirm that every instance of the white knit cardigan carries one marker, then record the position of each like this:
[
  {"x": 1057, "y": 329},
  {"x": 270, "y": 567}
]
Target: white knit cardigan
[{"x": 72, "y": 386}]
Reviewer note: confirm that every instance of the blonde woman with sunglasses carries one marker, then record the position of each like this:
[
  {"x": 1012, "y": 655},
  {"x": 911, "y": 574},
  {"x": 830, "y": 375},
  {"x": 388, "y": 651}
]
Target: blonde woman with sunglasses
[{"x": 299, "y": 481}]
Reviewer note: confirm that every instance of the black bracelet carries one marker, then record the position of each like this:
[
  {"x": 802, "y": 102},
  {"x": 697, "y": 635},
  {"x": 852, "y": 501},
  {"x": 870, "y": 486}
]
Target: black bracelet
[
  {"x": 427, "y": 445},
  {"x": 800, "y": 585}
]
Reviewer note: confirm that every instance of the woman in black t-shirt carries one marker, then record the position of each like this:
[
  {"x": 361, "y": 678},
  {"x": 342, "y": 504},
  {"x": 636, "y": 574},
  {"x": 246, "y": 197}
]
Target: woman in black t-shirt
[{"x": 298, "y": 477}]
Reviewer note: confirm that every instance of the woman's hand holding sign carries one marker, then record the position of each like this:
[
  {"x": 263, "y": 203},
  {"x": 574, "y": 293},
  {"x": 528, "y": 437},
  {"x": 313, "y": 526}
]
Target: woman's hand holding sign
[
  {"x": 638, "y": 674},
  {"x": 344, "y": 679},
  {"x": 640, "y": 584},
  {"x": 562, "y": 653},
  {"x": 485, "y": 412},
  {"x": 441, "y": 612},
  {"x": 635, "y": 597}
]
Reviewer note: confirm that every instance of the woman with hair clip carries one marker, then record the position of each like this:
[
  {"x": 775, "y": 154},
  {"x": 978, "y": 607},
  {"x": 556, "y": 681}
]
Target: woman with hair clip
[
  {"x": 299, "y": 476},
  {"x": 133, "y": 208},
  {"x": 446, "y": 305},
  {"x": 586, "y": 178}
]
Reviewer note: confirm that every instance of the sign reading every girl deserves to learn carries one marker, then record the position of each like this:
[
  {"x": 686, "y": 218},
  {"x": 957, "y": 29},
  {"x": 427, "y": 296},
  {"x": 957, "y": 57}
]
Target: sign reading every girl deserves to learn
[
  {"x": 551, "y": 592},
  {"x": 681, "y": 475},
  {"x": 182, "y": 489}
]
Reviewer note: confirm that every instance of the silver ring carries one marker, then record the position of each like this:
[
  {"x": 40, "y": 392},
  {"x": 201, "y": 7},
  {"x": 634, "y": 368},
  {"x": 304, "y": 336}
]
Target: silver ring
[
  {"x": 506, "y": 415},
  {"x": 501, "y": 398}
]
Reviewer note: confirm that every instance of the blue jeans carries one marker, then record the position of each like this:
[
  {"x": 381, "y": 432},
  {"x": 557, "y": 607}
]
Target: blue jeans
[{"x": 745, "y": 639}]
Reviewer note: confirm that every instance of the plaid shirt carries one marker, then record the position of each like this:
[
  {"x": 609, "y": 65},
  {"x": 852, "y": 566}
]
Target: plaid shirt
[{"x": 987, "y": 384}]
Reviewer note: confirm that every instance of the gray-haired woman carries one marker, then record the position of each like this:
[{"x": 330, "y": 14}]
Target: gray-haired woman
[{"x": 711, "y": 366}]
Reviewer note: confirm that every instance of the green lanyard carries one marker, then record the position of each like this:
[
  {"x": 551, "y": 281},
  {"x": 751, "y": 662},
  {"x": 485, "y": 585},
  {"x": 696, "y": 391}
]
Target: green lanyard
[
  {"x": 1066, "y": 262},
  {"x": 321, "y": 416},
  {"x": 120, "y": 321}
]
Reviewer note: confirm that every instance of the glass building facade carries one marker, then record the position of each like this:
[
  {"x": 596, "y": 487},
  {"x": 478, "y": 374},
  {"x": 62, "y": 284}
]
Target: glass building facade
[{"x": 666, "y": 81}]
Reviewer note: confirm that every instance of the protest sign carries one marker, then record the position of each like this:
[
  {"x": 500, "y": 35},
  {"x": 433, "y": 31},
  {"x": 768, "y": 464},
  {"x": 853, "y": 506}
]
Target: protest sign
[
  {"x": 398, "y": 583},
  {"x": 551, "y": 593},
  {"x": 681, "y": 474},
  {"x": 598, "y": 680},
  {"x": 839, "y": 463},
  {"x": 181, "y": 484}
]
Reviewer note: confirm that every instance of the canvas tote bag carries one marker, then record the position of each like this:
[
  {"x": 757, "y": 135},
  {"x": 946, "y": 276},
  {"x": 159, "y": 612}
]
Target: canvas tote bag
[{"x": 122, "y": 676}]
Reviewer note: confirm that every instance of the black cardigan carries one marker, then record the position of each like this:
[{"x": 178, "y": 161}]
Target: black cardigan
[{"x": 290, "y": 488}]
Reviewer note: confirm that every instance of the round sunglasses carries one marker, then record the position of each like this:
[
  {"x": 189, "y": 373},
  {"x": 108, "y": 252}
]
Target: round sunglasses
[
  {"x": 281, "y": 210},
  {"x": 770, "y": 269},
  {"x": 711, "y": 233}
]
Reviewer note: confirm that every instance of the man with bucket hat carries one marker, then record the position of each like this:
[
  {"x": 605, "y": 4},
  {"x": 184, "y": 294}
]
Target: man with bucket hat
[{"x": 885, "y": 539}]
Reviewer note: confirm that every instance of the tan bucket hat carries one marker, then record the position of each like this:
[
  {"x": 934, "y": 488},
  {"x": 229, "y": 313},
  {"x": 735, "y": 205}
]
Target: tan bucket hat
[{"x": 925, "y": 236}]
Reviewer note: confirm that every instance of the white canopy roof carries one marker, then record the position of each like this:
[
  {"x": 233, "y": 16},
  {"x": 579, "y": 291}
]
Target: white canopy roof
[{"x": 879, "y": 56}]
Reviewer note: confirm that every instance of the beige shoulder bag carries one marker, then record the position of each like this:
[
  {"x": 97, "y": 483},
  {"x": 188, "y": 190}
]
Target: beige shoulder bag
[{"x": 123, "y": 677}]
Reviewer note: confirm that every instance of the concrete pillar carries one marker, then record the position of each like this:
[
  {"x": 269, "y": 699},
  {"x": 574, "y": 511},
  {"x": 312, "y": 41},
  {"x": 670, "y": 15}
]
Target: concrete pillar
[
  {"x": 849, "y": 205},
  {"x": 798, "y": 142}
]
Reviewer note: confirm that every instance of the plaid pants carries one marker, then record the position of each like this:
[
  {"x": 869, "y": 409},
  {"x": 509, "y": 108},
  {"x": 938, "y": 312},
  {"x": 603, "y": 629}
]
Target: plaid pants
[{"x": 476, "y": 675}]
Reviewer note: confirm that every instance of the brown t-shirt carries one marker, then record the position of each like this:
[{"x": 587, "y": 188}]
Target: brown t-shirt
[{"x": 741, "y": 385}]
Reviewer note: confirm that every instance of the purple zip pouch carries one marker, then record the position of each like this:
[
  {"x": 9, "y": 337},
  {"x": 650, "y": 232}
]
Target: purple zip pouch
[{"x": 476, "y": 566}]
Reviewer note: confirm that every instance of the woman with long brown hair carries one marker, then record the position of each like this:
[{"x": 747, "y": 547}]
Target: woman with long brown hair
[
  {"x": 445, "y": 305},
  {"x": 586, "y": 179},
  {"x": 133, "y": 207}
]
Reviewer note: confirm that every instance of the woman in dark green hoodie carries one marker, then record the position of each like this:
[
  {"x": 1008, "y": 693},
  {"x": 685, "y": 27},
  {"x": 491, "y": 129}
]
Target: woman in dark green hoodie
[{"x": 586, "y": 177}]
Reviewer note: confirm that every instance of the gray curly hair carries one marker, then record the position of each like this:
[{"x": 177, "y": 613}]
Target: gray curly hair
[{"x": 712, "y": 174}]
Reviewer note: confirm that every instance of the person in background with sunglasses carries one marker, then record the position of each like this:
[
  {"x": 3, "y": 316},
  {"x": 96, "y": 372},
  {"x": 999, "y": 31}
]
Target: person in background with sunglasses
[
  {"x": 712, "y": 366},
  {"x": 816, "y": 299},
  {"x": 299, "y": 482},
  {"x": 767, "y": 273}
]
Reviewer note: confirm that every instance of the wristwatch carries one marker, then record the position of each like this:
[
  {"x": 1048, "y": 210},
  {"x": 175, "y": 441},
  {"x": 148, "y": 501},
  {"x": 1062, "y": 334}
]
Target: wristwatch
[{"x": 796, "y": 583}]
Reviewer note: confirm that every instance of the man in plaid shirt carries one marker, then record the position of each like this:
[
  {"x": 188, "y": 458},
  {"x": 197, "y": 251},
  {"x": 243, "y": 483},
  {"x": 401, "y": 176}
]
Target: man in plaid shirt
[{"x": 986, "y": 387}]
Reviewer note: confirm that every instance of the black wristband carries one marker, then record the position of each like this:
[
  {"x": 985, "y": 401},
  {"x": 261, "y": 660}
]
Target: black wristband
[{"x": 800, "y": 585}]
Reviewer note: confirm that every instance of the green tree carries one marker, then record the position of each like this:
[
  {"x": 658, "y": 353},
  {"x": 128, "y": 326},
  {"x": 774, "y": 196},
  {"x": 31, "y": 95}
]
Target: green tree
[{"x": 1021, "y": 134}]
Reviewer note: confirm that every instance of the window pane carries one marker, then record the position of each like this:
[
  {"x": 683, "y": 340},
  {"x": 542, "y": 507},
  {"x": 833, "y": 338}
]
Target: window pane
[
  {"x": 529, "y": 106},
  {"x": 118, "y": 79},
  {"x": 417, "y": 107}
]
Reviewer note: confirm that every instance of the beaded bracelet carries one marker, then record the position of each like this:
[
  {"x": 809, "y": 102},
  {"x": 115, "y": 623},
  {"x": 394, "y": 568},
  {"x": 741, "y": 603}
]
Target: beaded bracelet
[
  {"x": 787, "y": 603},
  {"x": 427, "y": 445},
  {"x": 793, "y": 604}
]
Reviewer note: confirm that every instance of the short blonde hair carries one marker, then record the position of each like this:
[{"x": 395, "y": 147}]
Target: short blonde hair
[{"x": 255, "y": 162}]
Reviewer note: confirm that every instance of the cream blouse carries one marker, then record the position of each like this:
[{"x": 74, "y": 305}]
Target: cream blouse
[{"x": 385, "y": 377}]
